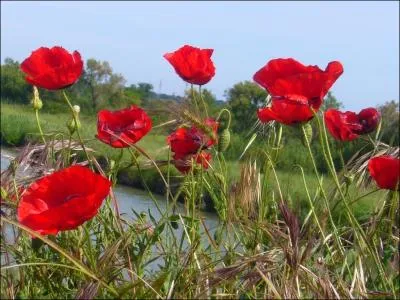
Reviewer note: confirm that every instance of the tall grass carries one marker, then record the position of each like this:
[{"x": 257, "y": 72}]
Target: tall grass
[{"x": 281, "y": 234}]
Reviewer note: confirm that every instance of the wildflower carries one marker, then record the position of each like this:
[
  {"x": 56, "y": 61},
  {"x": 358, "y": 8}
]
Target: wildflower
[
  {"x": 63, "y": 200},
  {"x": 52, "y": 68},
  {"x": 296, "y": 90},
  {"x": 193, "y": 65},
  {"x": 185, "y": 163},
  {"x": 123, "y": 127},
  {"x": 347, "y": 126},
  {"x": 186, "y": 141},
  {"x": 385, "y": 170}
]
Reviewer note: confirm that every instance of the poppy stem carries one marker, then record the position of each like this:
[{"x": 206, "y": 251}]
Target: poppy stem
[
  {"x": 341, "y": 155},
  {"x": 39, "y": 127},
  {"x": 335, "y": 231},
  {"x": 77, "y": 129},
  {"x": 353, "y": 221},
  {"x": 229, "y": 116},
  {"x": 202, "y": 101},
  {"x": 194, "y": 99}
]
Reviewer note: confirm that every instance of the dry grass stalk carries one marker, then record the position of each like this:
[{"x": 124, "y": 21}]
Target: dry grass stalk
[{"x": 244, "y": 197}]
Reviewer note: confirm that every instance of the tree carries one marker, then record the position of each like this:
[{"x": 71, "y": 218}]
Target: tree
[
  {"x": 330, "y": 101},
  {"x": 208, "y": 97},
  {"x": 104, "y": 85},
  {"x": 13, "y": 85},
  {"x": 143, "y": 91},
  {"x": 244, "y": 98},
  {"x": 390, "y": 122}
]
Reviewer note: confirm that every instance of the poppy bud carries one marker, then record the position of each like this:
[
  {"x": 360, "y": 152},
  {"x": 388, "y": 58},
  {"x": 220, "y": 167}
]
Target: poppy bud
[
  {"x": 224, "y": 140},
  {"x": 72, "y": 124},
  {"x": 348, "y": 179},
  {"x": 76, "y": 109},
  {"x": 36, "y": 102},
  {"x": 307, "y": 133}
]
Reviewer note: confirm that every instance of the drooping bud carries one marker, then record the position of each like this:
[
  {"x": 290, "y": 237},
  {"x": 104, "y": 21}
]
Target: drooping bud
[
  {"x": 36, "y": 102},
  {"x": 224, "y": 140}
]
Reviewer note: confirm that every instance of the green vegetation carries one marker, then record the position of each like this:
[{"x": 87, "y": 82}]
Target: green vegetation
[
  {"x": 294, "y": 219},
  {"x": 18, "y": 126}
]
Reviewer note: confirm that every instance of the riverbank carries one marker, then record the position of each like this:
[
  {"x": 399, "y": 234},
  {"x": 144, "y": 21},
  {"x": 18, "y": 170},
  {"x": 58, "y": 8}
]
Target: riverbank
[{"x": 18, "y": 127}]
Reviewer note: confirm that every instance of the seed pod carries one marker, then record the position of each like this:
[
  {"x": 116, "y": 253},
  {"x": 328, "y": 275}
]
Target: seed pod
[
  {"x": 308, "y": 132},
  {"x": 224, "y": 140}
]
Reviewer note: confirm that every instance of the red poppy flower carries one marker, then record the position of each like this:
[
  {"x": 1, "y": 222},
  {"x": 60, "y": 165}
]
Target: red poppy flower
[
  {"x": 385, "y": 170},
  {"x": 123, "y": 127},
  {"x": 285, "y": 112},
  {"x": 186, "y": 141},
  {"x": 348, "y": 126},
  {"x": 369, "y": 119},
  {"x": 194, "y": 65},
  {"x": 186, "y": 163},
  {"x": 63, "y": 200},
  {"x": 52, "y": 68},
  {"x": 295, "y": 89}
]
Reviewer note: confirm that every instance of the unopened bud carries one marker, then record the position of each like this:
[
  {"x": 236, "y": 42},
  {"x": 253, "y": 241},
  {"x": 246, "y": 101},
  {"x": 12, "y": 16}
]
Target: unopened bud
[
  {"x": 224, "y": 140},
  {"x": 36, "y": 102},
  {"x": 73, "y": 126},
  {"x": 348, "y": 179},
  {"x": 76, "y": 109}
]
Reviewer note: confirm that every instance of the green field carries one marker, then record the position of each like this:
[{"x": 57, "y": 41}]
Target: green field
[{"x": 18, "y": 125}]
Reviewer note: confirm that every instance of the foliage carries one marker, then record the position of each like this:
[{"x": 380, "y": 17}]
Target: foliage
[
  {"x": 293, "y": 221},
  {"x": 104, "y": 85},
  {"x": 330, "y": 101},
  {"x": 13, "y": 84},
  {"x": 244, "y": 98},
  {"x": 390, "y": 122},
  {"x": 210, "y": 101}
]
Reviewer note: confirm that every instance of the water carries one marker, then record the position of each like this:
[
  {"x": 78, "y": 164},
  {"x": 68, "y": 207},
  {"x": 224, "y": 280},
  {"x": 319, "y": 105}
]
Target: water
[{"x": 130, "y": 198}]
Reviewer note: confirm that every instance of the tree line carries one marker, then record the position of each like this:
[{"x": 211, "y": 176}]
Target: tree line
[{"x": 100, "y": 87}]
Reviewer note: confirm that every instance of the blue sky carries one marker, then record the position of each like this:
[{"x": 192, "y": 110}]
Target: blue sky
[{"x": 133, "y": 36}]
